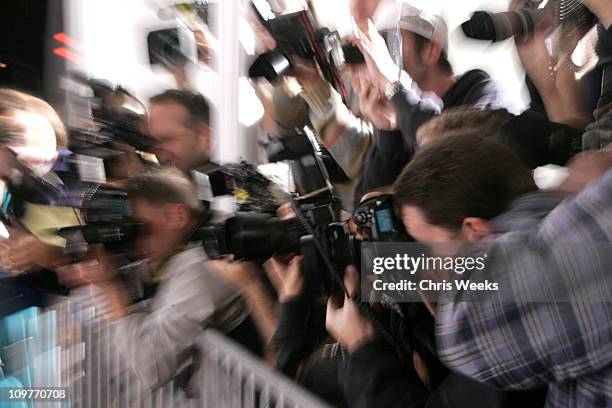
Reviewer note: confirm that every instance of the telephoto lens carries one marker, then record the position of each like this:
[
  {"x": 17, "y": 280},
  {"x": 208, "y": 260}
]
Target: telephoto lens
[
  {"x": 501, "y": 26},
  {"x": 253, "y": 236}
]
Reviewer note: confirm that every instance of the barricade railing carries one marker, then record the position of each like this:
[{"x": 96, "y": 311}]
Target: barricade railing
[{"x": 73, "y": 348}]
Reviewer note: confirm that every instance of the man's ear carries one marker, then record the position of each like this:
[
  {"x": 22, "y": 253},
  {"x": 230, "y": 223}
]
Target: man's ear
[
  {"x": 178, "y": 216},
  {"x": 432, "y": 53},
  {"x": 474, "y": 229},
  {"x": 204, "y": 136}
]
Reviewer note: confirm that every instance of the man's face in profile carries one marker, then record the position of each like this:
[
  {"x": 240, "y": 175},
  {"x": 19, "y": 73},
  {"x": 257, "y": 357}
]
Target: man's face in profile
[
  {"x": 158, "y": 235},
  {"x": 418, "y": 227},
  {"x": 180, "y": 142}
]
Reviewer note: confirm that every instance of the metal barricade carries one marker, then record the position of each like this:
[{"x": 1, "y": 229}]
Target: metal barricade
[
  {"x": 96, "y": 375},
  {"x": 235, "y": 378}
]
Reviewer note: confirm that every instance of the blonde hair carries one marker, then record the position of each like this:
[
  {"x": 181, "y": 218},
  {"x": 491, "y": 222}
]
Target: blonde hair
[{"x": 14, "y": 101}]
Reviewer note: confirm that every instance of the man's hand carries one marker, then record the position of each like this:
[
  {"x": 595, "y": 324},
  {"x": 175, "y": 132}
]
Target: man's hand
[
  {"x": 24, "y": 252},
  {"x": 598, "y": 113},
  {"x": 285, "y": 212},
  {"x": 127, "y": 163},
  {"x": 263, "y": 36},
  {"x": 241, "y": 274},
  {"x": 602, "y": 9},
  {"x": 586, "y": 168},
  {"x": 381, "y": 66},
  {"x": 207, "y": 43},
  {"x": 307, "y": 74},
  {"x": 346, "y": 323},
  {"x": 374, "y": 107},
  {"x": 245, "y": 276},
  {"x": 287, "y": 277},
  {"x": 97, "y": 270},
  {"x": 533, "y": 52},
  {"x": 554, "y": 76}
]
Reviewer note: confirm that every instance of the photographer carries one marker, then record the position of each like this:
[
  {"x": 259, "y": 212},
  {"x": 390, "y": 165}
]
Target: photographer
[
  {"x": 398, "y": 102},
  {"x": 293, "y": 325},
  {"x": 311, "y": 99},
  {"x": 179, "y": 122},
  {"x": 462, "y": 181},
  {"x": 182, "y": 296},
  {"x": 31, "y": 133},
  {"x": 562, "y": 344}
]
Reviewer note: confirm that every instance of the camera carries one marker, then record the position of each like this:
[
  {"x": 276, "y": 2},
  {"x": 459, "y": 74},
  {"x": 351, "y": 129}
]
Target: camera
[
  {"x": 376, "y": 218},
  {"x": 484, "y": 25},
  {"x": 299, "y": 146},
  {"x": 113, "y": 117},
  {"x": 318, "y": 231},
  {"x": 297, "y": 35},
  {"x": 117, "y": 114},
  {"x": 107, "y": 220},
  {"x": 175, "y": 46}
]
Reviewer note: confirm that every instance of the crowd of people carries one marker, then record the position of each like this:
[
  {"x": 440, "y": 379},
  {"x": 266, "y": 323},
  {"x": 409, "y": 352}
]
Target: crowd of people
[{"x": 459, "y": 166}]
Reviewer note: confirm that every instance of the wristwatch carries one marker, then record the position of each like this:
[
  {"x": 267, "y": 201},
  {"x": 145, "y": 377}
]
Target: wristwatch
[
  {"x": 392, "y": 89},
  {"x": 403, "y": 81}
]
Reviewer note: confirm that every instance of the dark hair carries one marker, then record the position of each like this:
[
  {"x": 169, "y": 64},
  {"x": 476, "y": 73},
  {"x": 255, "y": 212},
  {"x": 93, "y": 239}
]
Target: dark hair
[
  {"x": 196, "y": 104},
  {"x": 463, "y": 120},
  {"x": 531, "y": 137},
  {"x": 165, "y": 186},
  {"x": 462, "y": 176},
  {"x": 421, "y": 42}
]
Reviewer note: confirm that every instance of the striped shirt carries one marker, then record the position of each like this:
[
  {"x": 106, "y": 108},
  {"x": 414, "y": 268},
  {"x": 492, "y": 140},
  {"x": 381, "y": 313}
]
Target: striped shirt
[{"x": 566, "y": 344}]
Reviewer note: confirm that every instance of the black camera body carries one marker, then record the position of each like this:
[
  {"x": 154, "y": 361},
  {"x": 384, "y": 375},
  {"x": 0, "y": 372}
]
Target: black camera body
[
  {"x": 376, "y": 217},
  {"x": 114, "y": 122},
  {"x": 115, "y": 118},
  {"x": 317, "y": 232},
  {"x": 107, "y": 220},
  {"x": 297, "y": 35}
]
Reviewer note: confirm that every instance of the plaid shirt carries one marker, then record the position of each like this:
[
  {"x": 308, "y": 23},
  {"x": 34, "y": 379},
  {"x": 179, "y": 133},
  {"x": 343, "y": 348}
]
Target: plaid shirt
[{"x": 567, "y": 345}]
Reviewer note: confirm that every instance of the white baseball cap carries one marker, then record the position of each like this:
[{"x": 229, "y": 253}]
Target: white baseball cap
[{"x": 405, "y": 16}]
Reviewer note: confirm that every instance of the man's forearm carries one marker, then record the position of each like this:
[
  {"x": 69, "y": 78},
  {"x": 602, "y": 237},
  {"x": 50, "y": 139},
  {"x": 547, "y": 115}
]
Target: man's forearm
[
  {"x": 295, "y": 336},
  {"x": 117, "y": 297},
  {"x": 563, "y": 98},
  {"x": 263, "y": 309},
  {"x": 347, "y": 137},
  {"x": 602, "y": 9},
  {"x": 414, "y": 108}
]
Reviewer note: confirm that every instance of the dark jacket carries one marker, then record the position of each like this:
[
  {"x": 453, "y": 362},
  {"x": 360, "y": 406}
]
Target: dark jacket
[
  {"x": 373, "y": 376},
  {"x": 304, "y": 352},
  {"x": 391, "y": 150}
]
